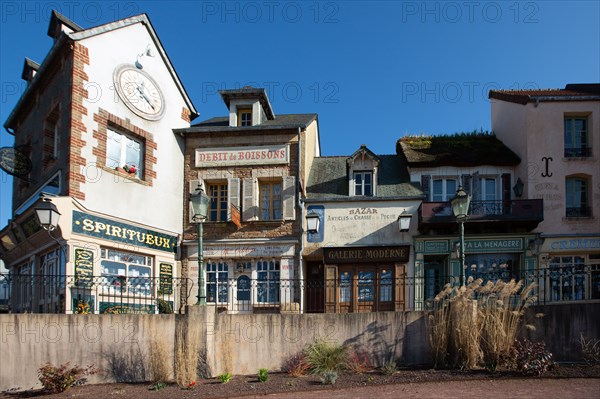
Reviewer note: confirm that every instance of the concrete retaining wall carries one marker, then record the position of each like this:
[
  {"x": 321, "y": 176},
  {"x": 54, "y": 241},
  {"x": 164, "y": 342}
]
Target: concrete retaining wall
[{"x": 240, "y": 344}]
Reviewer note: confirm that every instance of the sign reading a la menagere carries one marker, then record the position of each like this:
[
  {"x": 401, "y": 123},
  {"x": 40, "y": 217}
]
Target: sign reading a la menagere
[{"x": 238, "y": 156}]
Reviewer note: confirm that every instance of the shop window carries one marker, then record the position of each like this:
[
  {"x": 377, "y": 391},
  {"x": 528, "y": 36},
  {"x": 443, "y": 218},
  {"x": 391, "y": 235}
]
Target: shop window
[
  {"x": 217, "y": 274},
  {"x": 345, "y": 287},
  {"x": 567, "y": 278},
  {"x": 124, "y": 272},
  {"x": 218, "y": 205},
  {"x": 363, "y": 183},
  {"x": 122, "y": 150},
  {"x": 594, "y": 276},
  {"x": 270, "y": 200},
  {"x": 576, "y": 137},
  {"x": 577, "y": 194},
  {"x": 268, "y": 281},
  {"x": 491, "y": 267},
  {"x": 386, "y": 283}
]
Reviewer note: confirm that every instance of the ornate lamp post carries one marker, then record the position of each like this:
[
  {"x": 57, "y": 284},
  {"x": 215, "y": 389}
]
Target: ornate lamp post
[
  {"x": 200, "y": 202},
  {"x": 47, "y": 214},
  {"x": 460, "y": 208}
]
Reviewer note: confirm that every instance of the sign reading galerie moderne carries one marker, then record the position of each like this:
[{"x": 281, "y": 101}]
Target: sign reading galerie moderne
[
  {"x": 397, "y": 254},
  {"x": 111, "y": 230},
  {"x": 236, "y": 156}
]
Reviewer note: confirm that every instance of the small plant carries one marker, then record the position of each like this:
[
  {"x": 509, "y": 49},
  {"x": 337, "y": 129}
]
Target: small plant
[
  {"x": 296, "y": 365},
  {"x": 531, "y": 358},
  {"x": 58, "y": 379},
  {"x": 263, "y": 375},
  {"x": 329, "y": 377},
  {"x": 389, "y": 368},
  {"x": 224, "y": 378},
  {"x": 590, "y": 348},
  {"x": 359, "y": 362},
  {"x": 157, "y": 386},
  {"x": 323, "y": 356},
  {"x": 191, "y": 385}
]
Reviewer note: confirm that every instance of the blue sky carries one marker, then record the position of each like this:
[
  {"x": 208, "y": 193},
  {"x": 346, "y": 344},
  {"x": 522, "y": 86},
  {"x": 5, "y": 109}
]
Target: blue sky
[{"x": 373, "y": 71}]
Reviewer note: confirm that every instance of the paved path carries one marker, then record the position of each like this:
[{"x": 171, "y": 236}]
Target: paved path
[{"x": 572, "y": 388}]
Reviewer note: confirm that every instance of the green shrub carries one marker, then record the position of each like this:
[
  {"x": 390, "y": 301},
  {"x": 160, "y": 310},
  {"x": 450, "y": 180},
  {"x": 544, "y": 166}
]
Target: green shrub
[
  {"x": 389, "y": 368},
  {"x": 323, "y": 356},
  {"x": 531, "y": 358},
  {"x": 225, "y": 378},
  {"x": 590, "y": 348},
  {"x": 263, "y": 375},
  {"x": 58, "y": 379},
  {"x": 157, "y": 386},
  {"x": 329, "y": 377}
]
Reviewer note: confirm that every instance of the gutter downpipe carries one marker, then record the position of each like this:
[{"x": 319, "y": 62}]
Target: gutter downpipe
[{"x": 301, "y": 205}]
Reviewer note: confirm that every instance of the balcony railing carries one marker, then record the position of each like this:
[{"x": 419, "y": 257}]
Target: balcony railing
[{"x": 528, "y": 213}]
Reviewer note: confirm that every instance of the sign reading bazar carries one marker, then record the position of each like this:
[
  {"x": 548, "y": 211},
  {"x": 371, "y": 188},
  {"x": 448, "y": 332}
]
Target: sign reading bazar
[
  {"x": 111, "y": 230},
  {"x": 238, "y": 156},
  {"x": 392, "y": 254}
]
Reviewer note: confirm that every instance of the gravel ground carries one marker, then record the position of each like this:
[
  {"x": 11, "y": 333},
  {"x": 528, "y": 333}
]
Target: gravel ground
[{"x": 575, "y": 382}]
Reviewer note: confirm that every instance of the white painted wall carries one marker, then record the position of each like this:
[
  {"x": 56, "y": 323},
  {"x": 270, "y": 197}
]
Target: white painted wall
[{"x": 161, "y": 204}]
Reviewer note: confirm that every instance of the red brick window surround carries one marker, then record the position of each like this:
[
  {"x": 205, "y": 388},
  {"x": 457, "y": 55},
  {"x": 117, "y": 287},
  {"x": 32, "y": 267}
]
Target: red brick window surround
[{"x": 108, "y": 121}]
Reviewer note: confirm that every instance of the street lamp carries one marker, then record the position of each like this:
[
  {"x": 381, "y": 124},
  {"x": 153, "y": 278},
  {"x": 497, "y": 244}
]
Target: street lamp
[
  {"x": 404, "y": 221},
  {"x": 460, "y": 208},
  {"x": 200, "y": 202},
  {"x": 47, "y": 214},
  {"x": 313, "y": 221}
]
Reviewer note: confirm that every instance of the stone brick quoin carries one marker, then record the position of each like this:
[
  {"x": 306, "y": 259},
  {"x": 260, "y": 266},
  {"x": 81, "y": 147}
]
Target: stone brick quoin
[
  {"x": 78, "y": 128},
  {"x": 186, "y": 114}
]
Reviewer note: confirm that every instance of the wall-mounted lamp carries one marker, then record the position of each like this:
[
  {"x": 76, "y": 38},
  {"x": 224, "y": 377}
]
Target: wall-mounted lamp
[
  {"x": 313, "y": 221},
  {"x": 147, "y": 52},
  {"x": 47, "y": 214},
  {"x": 404, "y": 221},
  {"x": 535, "y": 244},
  {"x": 518, "y": 188}
]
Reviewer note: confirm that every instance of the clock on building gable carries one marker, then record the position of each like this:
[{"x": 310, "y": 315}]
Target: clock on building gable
[{"x": 139, "y": 92}]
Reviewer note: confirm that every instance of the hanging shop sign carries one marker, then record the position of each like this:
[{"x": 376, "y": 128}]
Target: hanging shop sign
[
  {"x": 14, "y": 162},
  {"x": 111, "y": 230},
  {"x": 84, "y": 267},
  {"x": 392, "y": 254}
]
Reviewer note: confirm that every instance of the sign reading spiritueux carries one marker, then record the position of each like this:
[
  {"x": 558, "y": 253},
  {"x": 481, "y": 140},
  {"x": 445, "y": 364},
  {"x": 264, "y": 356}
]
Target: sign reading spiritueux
[{"x": 111, "y": 230}]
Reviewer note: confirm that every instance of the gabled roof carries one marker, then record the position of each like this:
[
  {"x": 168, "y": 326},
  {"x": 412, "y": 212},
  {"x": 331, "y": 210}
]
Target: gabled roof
[
  {"x": 328, "y": 180},
  {"x": 221, "y": 123},
  {"x": 456, "y": 150},
  {"x": 363, "y": 151},
  {"x": 249, "y": 92},
  {"x": 571, "y": 92},
  {"x": 80, "y": 34}
]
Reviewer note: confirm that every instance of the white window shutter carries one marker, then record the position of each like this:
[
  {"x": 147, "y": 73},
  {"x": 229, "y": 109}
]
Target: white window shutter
[
  {"x": 289, "y": 198},
  {"x": 233, "y": 195},
  {"x": 250, "y": 204}
]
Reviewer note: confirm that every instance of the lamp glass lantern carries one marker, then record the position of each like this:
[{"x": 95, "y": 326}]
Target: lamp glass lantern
[
  {"x": 313, "y": 221},
  {"x": 47, "y": 214},
  {"x": 518, "y": 188},
  {"x": 404, "y": 221},
  {"x": 460, "y": 204},
  {"x": 200, "y": 203}
]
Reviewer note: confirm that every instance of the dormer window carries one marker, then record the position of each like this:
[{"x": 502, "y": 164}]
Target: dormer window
[
  {"x": 245, "y": 117},
  {"x": 363, "y": 183},
  {"x": 362, "y": 173}
]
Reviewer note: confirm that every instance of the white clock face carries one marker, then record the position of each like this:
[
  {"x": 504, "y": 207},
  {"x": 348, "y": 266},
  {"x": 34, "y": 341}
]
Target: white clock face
[{"x": 139, "y": 92}]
